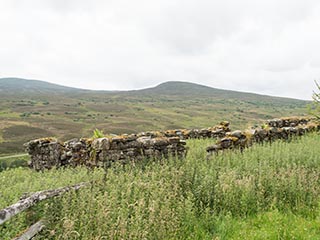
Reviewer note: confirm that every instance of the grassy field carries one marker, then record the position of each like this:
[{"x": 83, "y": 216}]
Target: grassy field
[
  {"x": 13, "y": 161},
  {"x": 27, "y": 114},
  {"x": 268, "y": 192}
]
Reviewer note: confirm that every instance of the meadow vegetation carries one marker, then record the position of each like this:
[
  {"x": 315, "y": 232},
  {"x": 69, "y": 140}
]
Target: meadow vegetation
[{"x": 269, "y": 191}]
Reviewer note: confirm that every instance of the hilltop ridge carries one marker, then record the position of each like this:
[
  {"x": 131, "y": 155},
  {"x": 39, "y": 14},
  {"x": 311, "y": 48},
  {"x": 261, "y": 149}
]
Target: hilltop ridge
[{"x": 169, "y": 88}]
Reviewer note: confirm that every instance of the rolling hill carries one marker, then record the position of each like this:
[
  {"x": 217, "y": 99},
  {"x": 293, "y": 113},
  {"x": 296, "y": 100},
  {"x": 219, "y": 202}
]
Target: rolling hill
[
  {"x": 31, "y": 109},
  {"x": 18, "y": 85}
]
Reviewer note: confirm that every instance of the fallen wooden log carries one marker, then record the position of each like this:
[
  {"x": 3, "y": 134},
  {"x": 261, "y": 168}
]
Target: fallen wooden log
[
  {"x": 9, "y": 212},
  {"x": 32, "y": 231}
]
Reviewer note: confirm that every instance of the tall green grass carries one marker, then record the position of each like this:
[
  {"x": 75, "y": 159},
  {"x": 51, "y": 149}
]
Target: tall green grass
[
  {"x": 268, "y": 192},
  {"x": 13, "y": 162}
]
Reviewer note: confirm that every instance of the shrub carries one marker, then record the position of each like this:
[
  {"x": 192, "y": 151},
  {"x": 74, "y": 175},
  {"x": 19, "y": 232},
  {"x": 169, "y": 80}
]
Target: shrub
[{"x": 97, "y": 133}]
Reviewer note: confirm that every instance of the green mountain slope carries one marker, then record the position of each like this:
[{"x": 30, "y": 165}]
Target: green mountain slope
[
  {"x": 18, "y": 85},
  {"x": 187, "y": 89},
  {"x": 30, "y": 109}
]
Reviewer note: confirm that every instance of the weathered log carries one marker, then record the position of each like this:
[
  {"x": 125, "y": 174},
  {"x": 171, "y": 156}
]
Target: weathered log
[
  {"x": 9, "y": 212},
  {"x": 32, "y": 231}
]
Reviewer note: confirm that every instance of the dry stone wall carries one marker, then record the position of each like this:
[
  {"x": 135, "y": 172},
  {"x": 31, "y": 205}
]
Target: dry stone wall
[
  {"x": 217, "y": 131},
  {"x": 289, "y": 122},
  {"x": 45, "y": 153},
  {"x": 274, "y": 129},
  {"x": 49, "y": 152}
]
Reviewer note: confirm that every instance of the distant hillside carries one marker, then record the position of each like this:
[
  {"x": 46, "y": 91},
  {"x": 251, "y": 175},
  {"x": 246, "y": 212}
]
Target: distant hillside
[
  {"x": 30, "y": 109},
  {"x": 9, "y": 85},
  {"x": 187, "y": 89},
  {"x": 171, "y": 88},
  {"x": 180, "y": 88}
]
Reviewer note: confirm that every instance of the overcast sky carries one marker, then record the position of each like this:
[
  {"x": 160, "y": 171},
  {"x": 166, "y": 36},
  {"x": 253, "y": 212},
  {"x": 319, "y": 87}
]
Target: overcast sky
[{"x": 263, "y": 46}]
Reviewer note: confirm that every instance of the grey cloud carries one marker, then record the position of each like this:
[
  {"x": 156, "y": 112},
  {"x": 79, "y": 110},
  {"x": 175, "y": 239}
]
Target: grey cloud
[{"x": 259, "y": 46}]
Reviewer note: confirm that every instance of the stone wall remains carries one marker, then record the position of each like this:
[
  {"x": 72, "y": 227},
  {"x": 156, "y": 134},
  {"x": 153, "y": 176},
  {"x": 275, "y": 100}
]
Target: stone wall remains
[
  {"x": 217, "y": 131},
  {"x": 274, "y": 129},
  {"x": 49, "y": 152}
]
